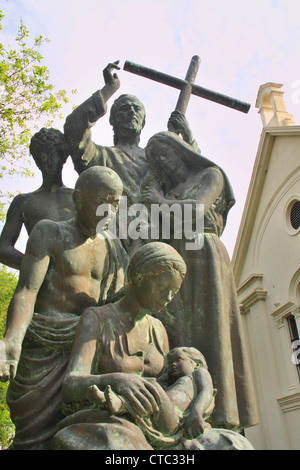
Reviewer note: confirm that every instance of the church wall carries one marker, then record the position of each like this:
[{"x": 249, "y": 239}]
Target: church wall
[{"x": 267, "y": 293}]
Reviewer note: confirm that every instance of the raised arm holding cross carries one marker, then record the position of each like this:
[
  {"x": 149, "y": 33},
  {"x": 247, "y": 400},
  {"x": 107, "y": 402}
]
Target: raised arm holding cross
[{"x": 127, "y": 118}]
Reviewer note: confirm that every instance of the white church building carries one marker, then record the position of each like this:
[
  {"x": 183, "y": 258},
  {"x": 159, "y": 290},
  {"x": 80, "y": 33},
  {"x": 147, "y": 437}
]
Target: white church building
[{"x": 266, "y": 264}]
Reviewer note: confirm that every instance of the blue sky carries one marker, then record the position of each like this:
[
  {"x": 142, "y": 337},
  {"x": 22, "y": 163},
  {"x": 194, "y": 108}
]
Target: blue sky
[{"x": 242, "y": 45}]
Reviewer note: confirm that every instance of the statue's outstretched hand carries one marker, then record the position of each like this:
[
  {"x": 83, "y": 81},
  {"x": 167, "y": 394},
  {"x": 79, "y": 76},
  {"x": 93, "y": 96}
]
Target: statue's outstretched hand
[
  {"x": 8, "y": 361},
  {"x": 111, "y": 79}
]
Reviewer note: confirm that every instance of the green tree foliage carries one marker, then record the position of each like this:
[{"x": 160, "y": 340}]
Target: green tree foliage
[
  {"x": 28, "y": 102},
  {"x": 7, "y": 286}
]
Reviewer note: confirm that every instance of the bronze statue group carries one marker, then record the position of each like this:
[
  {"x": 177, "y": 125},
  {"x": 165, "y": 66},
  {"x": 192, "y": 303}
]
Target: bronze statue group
[{"x": 122, "y": 344}]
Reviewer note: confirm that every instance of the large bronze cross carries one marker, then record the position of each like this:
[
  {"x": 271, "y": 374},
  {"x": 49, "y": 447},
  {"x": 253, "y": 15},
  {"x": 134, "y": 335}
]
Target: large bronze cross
[{"x": 187, "y": 86}]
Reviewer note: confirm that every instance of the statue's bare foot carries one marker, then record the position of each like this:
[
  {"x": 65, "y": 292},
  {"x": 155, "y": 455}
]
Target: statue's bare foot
[
  {"x": 114, "y": 403},
  {"x": 95, "y": 395}
]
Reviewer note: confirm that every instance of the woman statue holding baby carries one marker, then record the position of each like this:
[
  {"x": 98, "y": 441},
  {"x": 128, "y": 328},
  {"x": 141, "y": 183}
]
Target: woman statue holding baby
[{"x": 124, "y": 389}]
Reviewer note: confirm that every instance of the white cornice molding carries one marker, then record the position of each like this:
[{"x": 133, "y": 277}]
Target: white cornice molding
[
  {"x": 253, "y": 298},
  {"x": 253, "y": 292},
  {"x": 279, "y": 315},
  {"x": 289, "y": 403},
  {"x": 255, "y": 280}
]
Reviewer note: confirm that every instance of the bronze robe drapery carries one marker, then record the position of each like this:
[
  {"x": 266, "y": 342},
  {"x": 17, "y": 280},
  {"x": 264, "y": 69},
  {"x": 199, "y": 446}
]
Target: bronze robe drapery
[{"x": 205, "y": 313}]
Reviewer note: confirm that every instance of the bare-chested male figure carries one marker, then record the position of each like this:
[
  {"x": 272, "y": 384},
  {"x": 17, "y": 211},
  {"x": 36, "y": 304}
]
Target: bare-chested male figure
[
  {"x": 51, "y": 201},
  {"x": 67, "y": 267}
]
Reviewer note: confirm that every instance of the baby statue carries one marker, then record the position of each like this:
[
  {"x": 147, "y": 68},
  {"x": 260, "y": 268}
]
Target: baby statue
[{"x": 187, "y": 394}]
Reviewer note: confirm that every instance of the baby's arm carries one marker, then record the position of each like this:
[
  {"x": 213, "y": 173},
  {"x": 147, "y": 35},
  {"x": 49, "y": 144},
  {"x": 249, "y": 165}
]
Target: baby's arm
[{"x": 194, "y": 424}]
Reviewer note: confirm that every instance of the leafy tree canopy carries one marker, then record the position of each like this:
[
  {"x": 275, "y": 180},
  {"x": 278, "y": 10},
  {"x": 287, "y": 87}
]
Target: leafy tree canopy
[
  {"x": 28, "y": 101},
  {"x": 8, "y": 284}
]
